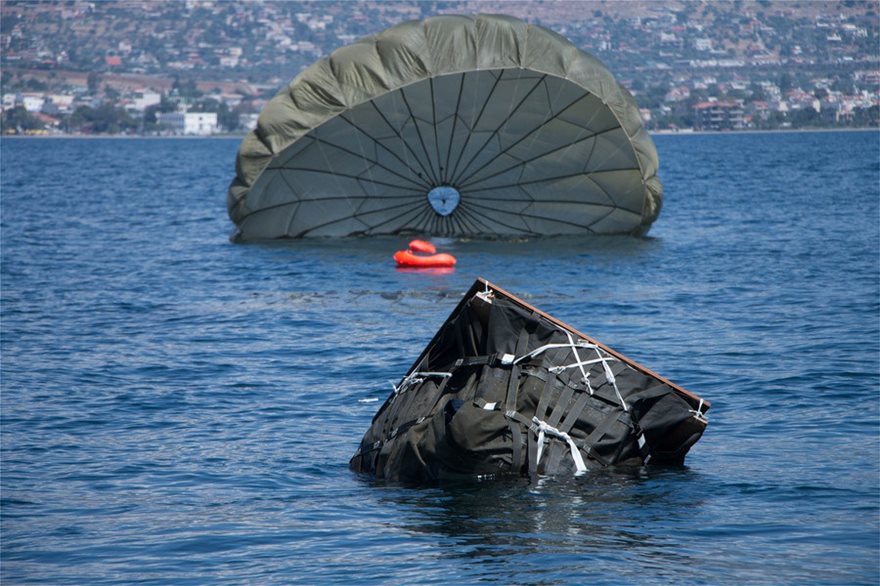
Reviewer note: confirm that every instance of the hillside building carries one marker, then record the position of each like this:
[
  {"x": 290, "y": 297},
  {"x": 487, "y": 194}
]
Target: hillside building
[
  {"x": 718, "y": 115},
  {"x": 193, "y": 123}
]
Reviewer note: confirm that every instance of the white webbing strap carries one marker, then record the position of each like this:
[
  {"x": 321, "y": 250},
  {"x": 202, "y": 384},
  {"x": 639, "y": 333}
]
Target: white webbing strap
[
  {"x": 609, "y": 376},
  {"x": 558, "y": 369},
  {"x": 417, "y": 377},
  {"x": 584, "y": 375},
  {"x": 698, "y": 412},
  {"x": 543, "y": 428},
  {"x": 546, "y": 347}
]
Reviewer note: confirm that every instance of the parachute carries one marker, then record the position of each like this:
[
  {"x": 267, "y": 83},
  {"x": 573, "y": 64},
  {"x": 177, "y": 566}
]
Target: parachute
[{"x": 459, "y": 126}]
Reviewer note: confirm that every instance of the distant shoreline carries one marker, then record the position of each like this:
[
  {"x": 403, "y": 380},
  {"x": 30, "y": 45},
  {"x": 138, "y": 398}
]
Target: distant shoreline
[
  {"x": 242, "y": 136},
  {"x": 756, "y": 131}
]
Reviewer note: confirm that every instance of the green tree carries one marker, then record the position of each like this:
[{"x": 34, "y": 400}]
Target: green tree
[
  {"x": 786, "y": 82},
  {"x": 106, "y": 119},
  {"x": 93, "y": 81},
  {"x": 165, "y": 105},
  {"x": 19, "y": 120},
  {"x": 186, "y": 89}
]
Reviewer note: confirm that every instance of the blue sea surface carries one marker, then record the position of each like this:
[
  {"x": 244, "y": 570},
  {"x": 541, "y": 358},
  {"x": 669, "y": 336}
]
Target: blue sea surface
[{"x": 178, "y": 409}]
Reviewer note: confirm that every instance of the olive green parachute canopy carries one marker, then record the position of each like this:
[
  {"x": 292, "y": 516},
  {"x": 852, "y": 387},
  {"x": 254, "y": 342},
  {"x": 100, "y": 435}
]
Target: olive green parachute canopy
[{"x": 481, "y": 126}]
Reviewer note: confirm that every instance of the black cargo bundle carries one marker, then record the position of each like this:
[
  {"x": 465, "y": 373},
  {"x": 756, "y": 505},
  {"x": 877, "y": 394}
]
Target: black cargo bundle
[{"x": 504, "y": 389}]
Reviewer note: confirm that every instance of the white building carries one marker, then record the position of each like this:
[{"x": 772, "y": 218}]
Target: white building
[
  {"x": 198, "y": 123},
  {"x": 144, "y": 99},
  {"x": 33, "y": 102}
]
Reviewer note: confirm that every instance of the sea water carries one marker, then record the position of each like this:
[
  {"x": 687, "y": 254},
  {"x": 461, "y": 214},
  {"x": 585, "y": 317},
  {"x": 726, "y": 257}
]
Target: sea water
[{"x": 178, "y": 409}]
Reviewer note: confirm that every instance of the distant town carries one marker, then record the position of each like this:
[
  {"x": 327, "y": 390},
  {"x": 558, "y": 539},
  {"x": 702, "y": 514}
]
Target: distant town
[{"x": 207, "y": 68}]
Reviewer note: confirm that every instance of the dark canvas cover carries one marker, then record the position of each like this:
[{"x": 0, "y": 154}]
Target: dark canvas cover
[{"x": 505, "y": 390}]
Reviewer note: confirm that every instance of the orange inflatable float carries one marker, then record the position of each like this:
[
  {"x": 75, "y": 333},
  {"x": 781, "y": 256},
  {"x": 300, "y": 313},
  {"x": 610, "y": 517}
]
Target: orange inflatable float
[
  {"x": 409, "y": 258},
  {"x": 422, "y": 246}
]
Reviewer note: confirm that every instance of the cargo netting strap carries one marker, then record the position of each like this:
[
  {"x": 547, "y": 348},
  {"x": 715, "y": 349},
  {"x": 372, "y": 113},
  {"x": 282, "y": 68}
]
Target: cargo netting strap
[
  {"x": 510, "y": 402},
  {"x": 580, "y": 363},
  {"x": 542, "y": 428},
  {"x": 609, "y": 376}
]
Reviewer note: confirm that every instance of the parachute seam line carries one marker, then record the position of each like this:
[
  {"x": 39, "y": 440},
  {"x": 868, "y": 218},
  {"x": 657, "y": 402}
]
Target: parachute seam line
[
  {"x": 356, "y": 216},
  {"x": 472, "y": 221},
  {"x": 528, "y": 228},
  {"x": 602, "y": 189},
  {"x": 458, "y": 222},
  {"x": 534, "y": 216},
  {"x": 530, "y": 133},
  {"x": 370, "y": 168},
  {"x": 421, "y": 139},
  {"x": 436, "y": 137},
  {"x": 332, "y": 198},
  {"x": 542, "y": 155},
  {"x": 476, "y": 123},
  {"x": 349, "y": 176},
  {"x": 543, "y": 201},
  {"x": 432, "y": 221},
  {"x": 405, "y": 144},
  {"x": 587, "y": 164},
  {"x": 329, "y": 165},
  {"x": 479, "y": 218},
  {"x": 379, "y": 143},
  {"x": 566, "y": 176},
  {"x": 504, "y": 123},
  {"x": 422, "y": 217},
  {"x": 324, "y": 224},
  {"x": 277, "y": 164},
  {"x": 454, "y": 128},
  {"x": 443, "y": 223},
  {"x": 475, "y": 220},
  {"x": 440, "y": 223},
  {"x": 467, "y": 225},
  {"x": 296, "y": 209},
  {"x": 377, "y": 163},
  {"x": 398, "y": 206},
  {"x": 389, "y": 220},
  {"x": 289, "y": 227},
  {"x": 606, "y": 215},
  {"x": 535, "y": 158}
]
